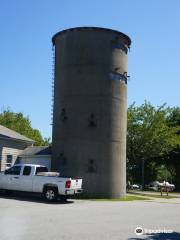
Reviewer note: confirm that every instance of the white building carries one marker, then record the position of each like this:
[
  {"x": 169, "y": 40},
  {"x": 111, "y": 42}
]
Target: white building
[
  {"x": 15, "y": 147},
  {"x": 36, "y": 155}
]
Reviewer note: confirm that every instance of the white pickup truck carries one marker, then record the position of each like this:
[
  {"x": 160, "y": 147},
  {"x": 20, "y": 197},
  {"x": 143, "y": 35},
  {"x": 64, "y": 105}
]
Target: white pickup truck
[{"x": 37, "y": 179}]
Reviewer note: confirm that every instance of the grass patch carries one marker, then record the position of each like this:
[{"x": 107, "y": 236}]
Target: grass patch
[
  {"x": 123, "y": 199},
  {"x": 159, "y": 196},
  {"x": 155, "y": 195}
]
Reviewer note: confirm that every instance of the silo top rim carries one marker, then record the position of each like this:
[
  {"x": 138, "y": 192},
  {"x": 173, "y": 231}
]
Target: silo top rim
[{"x": 94, "y": 29}]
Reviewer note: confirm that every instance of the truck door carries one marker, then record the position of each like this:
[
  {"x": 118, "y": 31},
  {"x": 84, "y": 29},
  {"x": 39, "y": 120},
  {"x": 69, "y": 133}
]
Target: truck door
[
  {"x": 26, "y": 179},
  {"x": 5, "y": 181},
  {"x": 12, "y": 177}
]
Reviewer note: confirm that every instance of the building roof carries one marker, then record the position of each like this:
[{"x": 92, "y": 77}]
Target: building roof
[
  {"x": 8, "y": 133},
  {"x": 39, "y": 150}
]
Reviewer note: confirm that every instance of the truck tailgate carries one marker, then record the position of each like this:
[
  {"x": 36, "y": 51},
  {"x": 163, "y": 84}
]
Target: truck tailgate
[{"x": 76, "y": 183}]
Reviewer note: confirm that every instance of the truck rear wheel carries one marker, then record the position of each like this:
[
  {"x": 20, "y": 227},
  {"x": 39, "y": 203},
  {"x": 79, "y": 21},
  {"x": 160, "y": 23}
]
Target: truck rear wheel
[{"x": 50, "y": 194}]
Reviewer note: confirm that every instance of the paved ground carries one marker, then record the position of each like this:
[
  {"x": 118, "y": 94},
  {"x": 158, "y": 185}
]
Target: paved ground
[{"x": 28, "y": 218}]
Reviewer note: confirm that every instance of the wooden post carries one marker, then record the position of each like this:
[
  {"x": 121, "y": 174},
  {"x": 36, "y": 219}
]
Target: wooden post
[{"x": 167, "y": 190}]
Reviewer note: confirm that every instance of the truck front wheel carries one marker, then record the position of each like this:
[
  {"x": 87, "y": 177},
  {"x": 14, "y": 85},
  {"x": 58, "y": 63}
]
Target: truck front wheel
[{"x": 50, "y": 194}]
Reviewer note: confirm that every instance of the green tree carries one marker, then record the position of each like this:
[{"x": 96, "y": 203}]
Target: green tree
[
  {"x": 149, "y": 135},
  {"x": 22, "y": 125},
  {"x": 173, "y": 158},
  {"x": 173, "y": 118}
]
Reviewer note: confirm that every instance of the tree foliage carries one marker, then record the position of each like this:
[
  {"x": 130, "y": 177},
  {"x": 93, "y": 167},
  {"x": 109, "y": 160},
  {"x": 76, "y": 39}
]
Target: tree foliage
[
  {"x": 21, "y": 124},
  {"x": 150, "y": 133},
  {"x": 152, "y": 137}
]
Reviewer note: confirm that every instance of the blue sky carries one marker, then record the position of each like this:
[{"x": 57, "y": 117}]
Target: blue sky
[{"x": 26, "y": 57}]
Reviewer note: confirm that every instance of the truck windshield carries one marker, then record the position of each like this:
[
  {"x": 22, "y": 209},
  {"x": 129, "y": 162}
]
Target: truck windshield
[{"x": 41, "y": 169}]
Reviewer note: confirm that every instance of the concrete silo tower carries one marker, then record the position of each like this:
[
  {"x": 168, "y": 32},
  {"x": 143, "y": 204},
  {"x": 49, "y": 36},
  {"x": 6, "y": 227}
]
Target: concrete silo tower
[{"x": 89, "y": 115}]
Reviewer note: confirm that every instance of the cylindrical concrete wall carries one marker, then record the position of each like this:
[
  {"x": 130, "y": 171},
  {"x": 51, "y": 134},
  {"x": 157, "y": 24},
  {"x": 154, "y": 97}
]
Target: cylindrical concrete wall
[{"x": 89, "y": 115}]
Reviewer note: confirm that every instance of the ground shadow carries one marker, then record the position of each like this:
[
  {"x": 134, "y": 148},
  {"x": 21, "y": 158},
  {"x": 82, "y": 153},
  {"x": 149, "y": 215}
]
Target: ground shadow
[
  {"x": 31, "y": 197},
  {"x": 159, "y": 236}
]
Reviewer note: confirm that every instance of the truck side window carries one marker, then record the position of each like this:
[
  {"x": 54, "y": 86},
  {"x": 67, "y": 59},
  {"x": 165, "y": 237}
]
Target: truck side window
[
  {"x": 27, "y": 170},
  {"x": 13, "y": 170},
  {"x": 41, "y": 169}
]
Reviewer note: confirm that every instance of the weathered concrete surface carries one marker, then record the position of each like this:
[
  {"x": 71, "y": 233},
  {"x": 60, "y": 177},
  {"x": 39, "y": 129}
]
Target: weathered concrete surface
[
  {"x": 89, "y": 121},
  {"x": 28, "y": 218}
]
